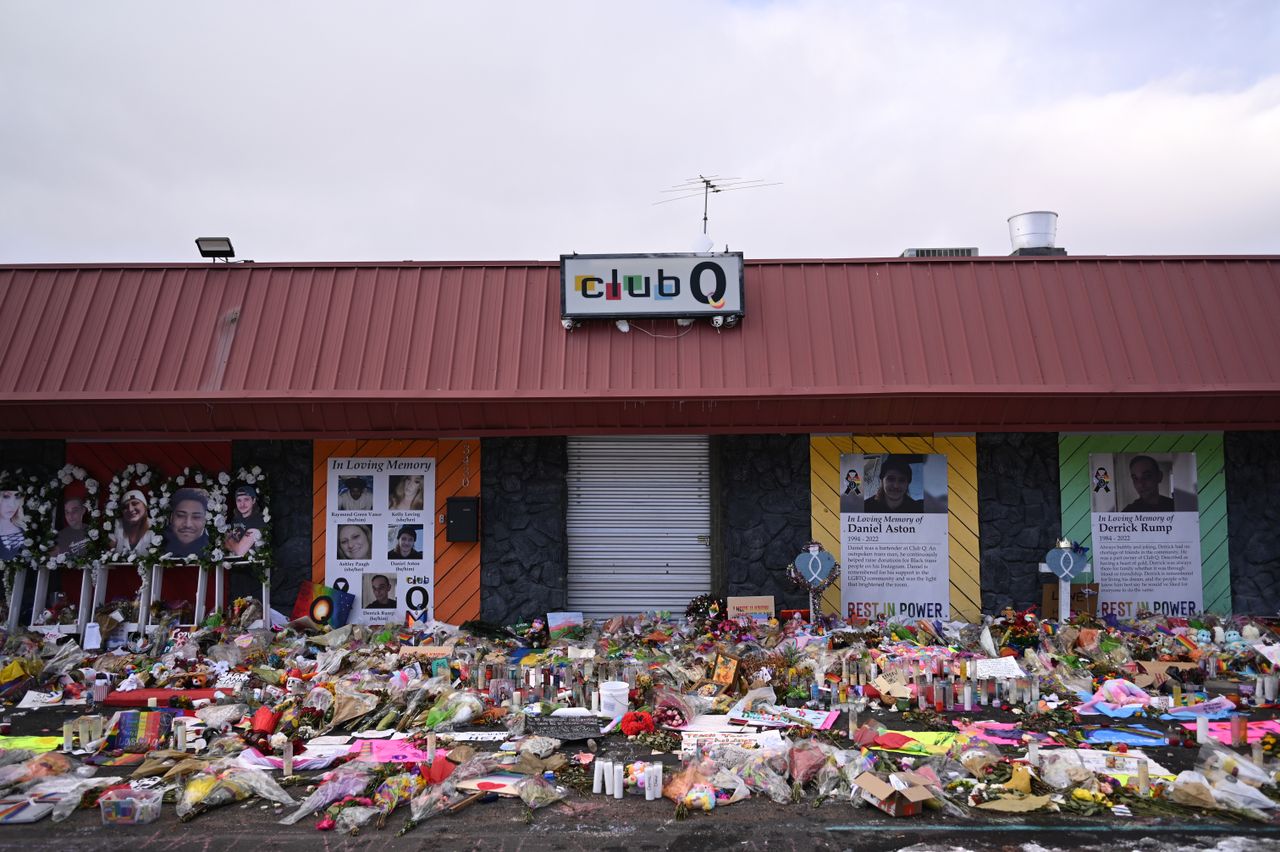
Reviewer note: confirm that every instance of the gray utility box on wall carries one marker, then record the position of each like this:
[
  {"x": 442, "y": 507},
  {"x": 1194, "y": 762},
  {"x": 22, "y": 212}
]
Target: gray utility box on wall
[{"x": 462, "y": 519}]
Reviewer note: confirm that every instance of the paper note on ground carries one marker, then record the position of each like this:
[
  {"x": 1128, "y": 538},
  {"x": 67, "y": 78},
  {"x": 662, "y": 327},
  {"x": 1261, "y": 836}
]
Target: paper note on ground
[{"x": 1000, "y": 667}]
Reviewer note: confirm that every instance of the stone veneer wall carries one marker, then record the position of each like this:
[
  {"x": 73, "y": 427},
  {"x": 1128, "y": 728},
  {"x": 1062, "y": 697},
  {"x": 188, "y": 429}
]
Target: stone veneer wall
[
  {"x": 1252, "y": 470},
  {"x": 287, "y": 465},
  {"x": 524, "y": 543},
  {"x": 1019, "y": 514},
  {"x": 767, "y": 513}
]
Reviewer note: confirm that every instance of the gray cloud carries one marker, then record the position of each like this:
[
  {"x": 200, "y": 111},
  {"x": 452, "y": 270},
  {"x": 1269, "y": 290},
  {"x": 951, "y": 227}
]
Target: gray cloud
[{"x": 333, "y": 131}]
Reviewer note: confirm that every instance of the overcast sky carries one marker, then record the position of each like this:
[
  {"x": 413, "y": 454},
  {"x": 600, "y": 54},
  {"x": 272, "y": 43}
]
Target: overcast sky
[{"x": 511, "y": 131}]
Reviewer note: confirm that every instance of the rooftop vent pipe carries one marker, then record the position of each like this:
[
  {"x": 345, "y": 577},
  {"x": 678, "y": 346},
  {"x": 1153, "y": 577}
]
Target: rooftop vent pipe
[{"x": 1035, "y": 233}]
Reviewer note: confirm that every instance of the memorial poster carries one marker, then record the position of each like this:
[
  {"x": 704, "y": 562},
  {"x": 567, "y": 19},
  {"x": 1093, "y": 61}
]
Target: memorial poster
[
  {"x": 381, "y": 537},
  {"x": 894, "y": 536},
  {"x": 1145, "y": 521}
]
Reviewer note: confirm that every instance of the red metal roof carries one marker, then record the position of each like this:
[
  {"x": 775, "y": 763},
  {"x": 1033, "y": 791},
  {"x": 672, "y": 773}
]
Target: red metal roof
[{"x": 949, "y": 344}]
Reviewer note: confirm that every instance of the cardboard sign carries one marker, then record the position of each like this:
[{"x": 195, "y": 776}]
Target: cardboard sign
[
  {"x": 757, "y": 608},
  {"x": 565, "y": 728},
  {"x": 431, "y": 652},
  {"x": 1084, "y": 598},
  {"x": 691, "y": 740}
]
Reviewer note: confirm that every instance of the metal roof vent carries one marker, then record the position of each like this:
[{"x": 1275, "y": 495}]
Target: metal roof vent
[
  {"x": 971, "y": 251},
  {"x": 1035, "y": 233}
]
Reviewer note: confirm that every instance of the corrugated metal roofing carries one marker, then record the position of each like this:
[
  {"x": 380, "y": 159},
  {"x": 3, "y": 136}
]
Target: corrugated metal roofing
[{"x": 956, "y": 344}]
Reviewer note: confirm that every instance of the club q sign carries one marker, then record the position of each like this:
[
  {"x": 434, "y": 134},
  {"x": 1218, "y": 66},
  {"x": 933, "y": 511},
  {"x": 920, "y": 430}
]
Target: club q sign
[{"x": 618, "y": 286}]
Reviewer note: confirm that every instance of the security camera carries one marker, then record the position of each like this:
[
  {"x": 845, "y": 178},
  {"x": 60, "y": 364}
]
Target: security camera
[
  {"x": 717, "y": 321},
  {"x": 568, "y": 324}
]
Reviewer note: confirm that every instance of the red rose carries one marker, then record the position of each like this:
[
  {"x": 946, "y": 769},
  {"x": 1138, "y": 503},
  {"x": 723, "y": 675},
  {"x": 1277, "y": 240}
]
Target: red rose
[{"x": 636, "y": 723}]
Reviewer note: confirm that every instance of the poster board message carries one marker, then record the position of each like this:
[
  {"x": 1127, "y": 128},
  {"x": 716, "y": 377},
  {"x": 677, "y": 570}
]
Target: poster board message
[
  {"x": 1145, "y": 525},
  {"x": 894, "y": 536},
  {"x": 381, "y": 537},
  {"x": 758, "y": 608}
]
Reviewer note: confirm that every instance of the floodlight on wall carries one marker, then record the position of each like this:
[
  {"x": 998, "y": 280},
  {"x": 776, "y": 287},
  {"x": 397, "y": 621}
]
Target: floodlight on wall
[
  {"x": 216, "y": 247},
  {"x": 623, "y": 325}
]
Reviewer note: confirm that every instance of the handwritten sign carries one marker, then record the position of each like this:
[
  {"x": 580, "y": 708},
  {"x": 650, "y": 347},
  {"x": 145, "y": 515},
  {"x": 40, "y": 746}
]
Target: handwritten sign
[
  {"x": 564, "y": 728},
  {"x": 757, "y": 607}
]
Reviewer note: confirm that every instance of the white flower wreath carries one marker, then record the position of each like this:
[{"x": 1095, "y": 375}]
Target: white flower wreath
[
  {"x": 37, "y": 514},
  {"x": 51, "y": 492},
  {"x": 118, "y": 551},
  {"x": 215, "y": 519}
]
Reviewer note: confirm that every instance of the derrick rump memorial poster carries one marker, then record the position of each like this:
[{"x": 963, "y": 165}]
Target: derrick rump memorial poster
[
  {"x": 380, "y": 537},
  {"x": 893, "y": 536},
  {"x": 1145, "y": 520}
]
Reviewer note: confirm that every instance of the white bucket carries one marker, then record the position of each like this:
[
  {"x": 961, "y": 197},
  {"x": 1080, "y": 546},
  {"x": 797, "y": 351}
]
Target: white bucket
[{"x": 613, "y": 697}]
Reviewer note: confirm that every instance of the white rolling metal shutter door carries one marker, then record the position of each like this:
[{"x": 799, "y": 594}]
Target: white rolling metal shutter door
[{"x": 639, "y": 524}]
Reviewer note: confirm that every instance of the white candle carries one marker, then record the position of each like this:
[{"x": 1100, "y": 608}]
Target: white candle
[
  {"x": 1144, "y": 778},
  {"x": 597, "y": 783},
  {"x": 595, "y": 701},
  {"x": 288, "y": 758},
  {"x": 1033, "y": 753},
  {"x": 648, "y": 782},
  {"x": 68, "y": 737},
  {"x": 968, "y": 697},
  {"x": 1202, "y": 730},
  {"x": 618, "y": 783},
  {"x": 608, "y": 777},
  {"x": 179, "y": 734},
  {"x": 431, "y": 747}
]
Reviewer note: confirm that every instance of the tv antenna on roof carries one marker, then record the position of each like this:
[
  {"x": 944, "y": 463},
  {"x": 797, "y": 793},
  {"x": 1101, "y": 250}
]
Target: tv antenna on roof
[{"x": 704, "y": 185}]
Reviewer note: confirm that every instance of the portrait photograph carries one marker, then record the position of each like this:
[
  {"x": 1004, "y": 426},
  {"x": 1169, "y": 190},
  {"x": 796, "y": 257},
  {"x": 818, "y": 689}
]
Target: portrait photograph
[
  {"x": 354, "y": 541},
  {"x": 893, "y": 483},
  {"x": 1143, "y": 482},
  {"x": 405, "y": 493},
  {"x": 378, "y": 591},
  {"x": 355, "y": 494},
  {"x": 71, "y": 520},
  {"x": 404, "y": 541},
  {"x": 13, "y": 520},
  {"x": 246, "y": 526},
  {"x": 186, "y": 531}
]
